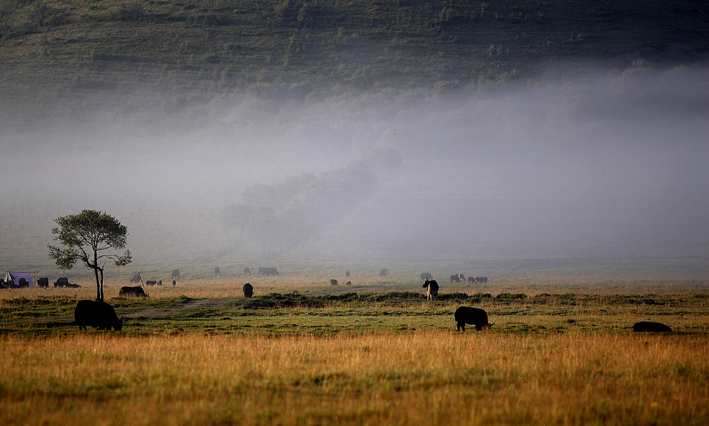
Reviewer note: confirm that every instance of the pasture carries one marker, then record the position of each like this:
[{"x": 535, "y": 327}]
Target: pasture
[{"x": 304, "y": 352}]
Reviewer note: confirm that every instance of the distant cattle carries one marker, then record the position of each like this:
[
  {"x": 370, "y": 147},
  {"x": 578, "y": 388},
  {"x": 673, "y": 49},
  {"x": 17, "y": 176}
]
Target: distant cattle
[
  {"x": 97, "y": 314},
  {"x": 248, "y": 290},
  {"x": 455, "y": 278},
  {"x": 175, "y": 274},
  {"x": 136, "y": 291},
  {"x": 333, "y": 282},
  {"x": 268, "y": 271},
  {"x": 136, "y": 278},
  {"x": 655, "y": 327},
  {"x": 383, "y": 272},
  {"x": 426, "y": 276},
  {"x": 481, "y": 280},
  {"x": 174, "y": 282},
  {"x": 43, "y": 282},
  {"x": 431, "y": 287},
  {"x": 217, "y": 271},
  {"x": 347, "y": 273},
  {"x": 151, "y": 282},
  {"x": 466, "y": 315},
  {"x": 349, "y": 283},
  {"x": 247, "y": 270},
  {"x": 23, "y": 283},
  {"x": 471, "y": 280}
]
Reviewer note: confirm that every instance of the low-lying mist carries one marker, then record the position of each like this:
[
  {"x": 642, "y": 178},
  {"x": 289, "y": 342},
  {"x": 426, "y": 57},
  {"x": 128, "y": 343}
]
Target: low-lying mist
[{"x": 599, "y": 165}]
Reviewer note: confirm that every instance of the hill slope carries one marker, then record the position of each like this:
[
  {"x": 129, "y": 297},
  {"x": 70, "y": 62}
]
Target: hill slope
[{"x": 79, "y": 52}]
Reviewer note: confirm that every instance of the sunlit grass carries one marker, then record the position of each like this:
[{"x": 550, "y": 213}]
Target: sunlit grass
[{"x": 399, "y": 378}]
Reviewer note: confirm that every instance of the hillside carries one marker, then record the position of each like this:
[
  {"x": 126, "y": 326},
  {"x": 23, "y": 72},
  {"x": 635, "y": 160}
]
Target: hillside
[{"x": 74, "y": 55}]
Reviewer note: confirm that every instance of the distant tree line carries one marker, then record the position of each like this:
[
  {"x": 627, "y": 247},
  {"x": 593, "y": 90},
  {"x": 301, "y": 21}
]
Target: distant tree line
[{"x": 286, "y": 214}]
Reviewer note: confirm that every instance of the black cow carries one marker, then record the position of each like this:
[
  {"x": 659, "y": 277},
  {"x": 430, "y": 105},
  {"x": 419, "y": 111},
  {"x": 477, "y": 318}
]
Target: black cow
[
  {"x": 174, "y": 282},
  {"x": 455, "y": 278},
  {"x": 217, "y": 271},
  {"x": 471, "y": 280},
  {"x": 426, "y": 276},
  {"x": 43, "y": 282},
  {"x": 136, "y": 278},
  {"x": 268, "y": 271},
  {"x": 349, "y": 283},
  {"x": 61, "y": 282},
  {"x": 466, "y": 315},
  {"x": 655, "y": 327},
  {"x": 383, "y": 272},
  {"x": 431, "y": 289},
  {"x": 96, "y": 314},
  {"x": 481, "y": 280},
  {"x": 247, "y": 270},
  {"x": 151, "y": 282},
  {"x": 248, "y": 290},
  {"x": 333, "y": 282},
  {"x": 136, "y": 291},
  {"x": 175, "y": 274}
]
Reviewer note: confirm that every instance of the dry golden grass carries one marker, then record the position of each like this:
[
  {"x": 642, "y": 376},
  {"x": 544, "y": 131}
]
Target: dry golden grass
[{"x": 386, "y": 378}]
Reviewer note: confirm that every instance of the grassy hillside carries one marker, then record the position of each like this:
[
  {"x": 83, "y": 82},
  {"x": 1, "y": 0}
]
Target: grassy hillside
[{"x": 185, "y": 52}]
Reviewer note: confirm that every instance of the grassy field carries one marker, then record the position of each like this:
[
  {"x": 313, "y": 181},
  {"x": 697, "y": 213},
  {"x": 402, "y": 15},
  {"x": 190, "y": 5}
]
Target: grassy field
[{"x": 307, "y": 353}]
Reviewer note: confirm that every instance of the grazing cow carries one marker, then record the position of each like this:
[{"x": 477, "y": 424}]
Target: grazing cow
[
  {"x": 268, "y": 271},
  {"x": 431, "y": 289},
  {"x": 655, "y": 327},
  {"x": 62, "y": 282},
  {"x": 151, "y": 282},
  {"x": 471, "y": 280},
  {"x": 478, "y": 317},
  {"x": 349, "y": 283},
  {"x": 136, "y": 291},
  {"x": 383, "y": 272},
  {"x": 136, "y": 278},
  {"x": 426, "y": 276},
  {"x": 217, "y": 271},
  {"x": 43, "y": 282},
  {"x": 455, "y": 278},
  {"x": 175, "y": 274},
  {"x": 247, "y": 270},
  {"x": 96, "y": 314},
  {"x": 333, "y": 282},
  {"x": 481, "y": 280},
  {"x": 248, "y": 290}
]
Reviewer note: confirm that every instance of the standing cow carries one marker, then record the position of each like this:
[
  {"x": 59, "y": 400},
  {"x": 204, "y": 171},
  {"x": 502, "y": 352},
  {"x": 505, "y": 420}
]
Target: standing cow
[
  {"x": 248, "y": 290},
  {"x": 426, "y": 276},
  {"x": 431, "y": 289},
  {"x": 136, "y": 291},
  {"x": 383, "y": 272},
  {"x": 333, "y": 282},
  {"x": 455, "y": 278},
  {"x": 43, "y": 282},
  {"x": 217, "y": 271},
  {"x": 96, "y": 314},
  {"x": 474, "y": 316}
]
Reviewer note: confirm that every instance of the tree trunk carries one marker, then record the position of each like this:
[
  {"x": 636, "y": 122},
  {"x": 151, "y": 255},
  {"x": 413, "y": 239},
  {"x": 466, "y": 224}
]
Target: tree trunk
[{"x": 99, "y": 292}]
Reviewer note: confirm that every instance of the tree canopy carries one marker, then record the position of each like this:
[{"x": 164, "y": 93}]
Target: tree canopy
[{"x": 87, "y": 237}]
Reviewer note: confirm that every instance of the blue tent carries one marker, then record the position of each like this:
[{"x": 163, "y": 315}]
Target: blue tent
[{"x": 15, "y": 276}]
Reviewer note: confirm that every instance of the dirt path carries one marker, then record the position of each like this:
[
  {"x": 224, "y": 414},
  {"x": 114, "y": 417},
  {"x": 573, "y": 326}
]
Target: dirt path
[
  {"x": 152, "y": 312},
  {"x": 192, "y": 304}
]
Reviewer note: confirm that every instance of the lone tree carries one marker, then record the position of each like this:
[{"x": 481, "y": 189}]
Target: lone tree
[{"x": 85, "y": 236}]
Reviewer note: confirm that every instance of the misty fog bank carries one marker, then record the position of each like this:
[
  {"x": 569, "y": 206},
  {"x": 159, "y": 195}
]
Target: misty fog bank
[{"x": 596, "y": 165}]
